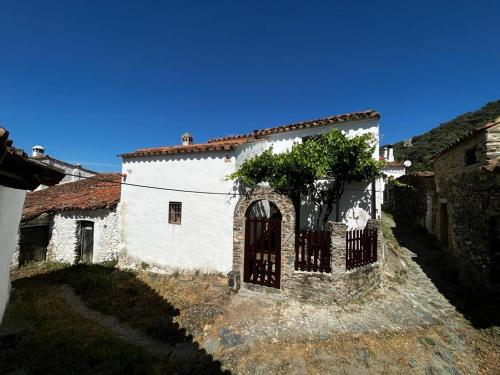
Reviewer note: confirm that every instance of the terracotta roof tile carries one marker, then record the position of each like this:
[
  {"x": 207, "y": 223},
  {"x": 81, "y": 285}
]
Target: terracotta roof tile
[
  {"x": 459, "y": 140},
  {"x": 88, "y": 193},
  {"x": 337, "y": 119},
  {"x": 20, "y": 172},
  {"x": 393, "y": 164},
  {"x": 198, "y": 147},
  {"x": 233, "y": 141}
]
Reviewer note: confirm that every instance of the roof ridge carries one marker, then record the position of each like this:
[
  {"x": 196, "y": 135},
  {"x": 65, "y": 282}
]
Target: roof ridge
[{"x": 229, "y": 142}]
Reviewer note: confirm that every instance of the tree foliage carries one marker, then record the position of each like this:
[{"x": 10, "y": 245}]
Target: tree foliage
[
  {"x": 425, "y": 145},
  {"x": 317, "y": 169}
]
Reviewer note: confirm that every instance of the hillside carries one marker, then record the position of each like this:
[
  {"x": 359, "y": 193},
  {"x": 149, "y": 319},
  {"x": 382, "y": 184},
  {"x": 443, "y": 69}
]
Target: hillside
[{"x": 428, "y": 143}]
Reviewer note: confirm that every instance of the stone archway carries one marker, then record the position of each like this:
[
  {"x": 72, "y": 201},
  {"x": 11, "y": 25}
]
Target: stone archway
[{"x": 285, "y": 207}]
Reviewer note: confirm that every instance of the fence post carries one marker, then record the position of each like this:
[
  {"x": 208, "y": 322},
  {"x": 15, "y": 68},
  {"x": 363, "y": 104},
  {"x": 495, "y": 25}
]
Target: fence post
[
  {"x": 377, "y": 224},
  {"x": 338, "y": 250}
]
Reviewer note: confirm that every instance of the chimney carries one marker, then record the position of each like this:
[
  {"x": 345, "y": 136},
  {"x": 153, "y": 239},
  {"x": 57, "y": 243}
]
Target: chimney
[
  {"x": 390, "y": 153},
  {"x": 385, "y": 153},
  {"x": 187, "y": 139},
  {"x": 37, "y": 151}
]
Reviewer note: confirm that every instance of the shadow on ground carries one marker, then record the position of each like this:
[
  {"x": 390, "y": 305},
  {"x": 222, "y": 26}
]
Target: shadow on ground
[
  {"x": 55, "y": 331},
  {"x": 441, "y": 268}
]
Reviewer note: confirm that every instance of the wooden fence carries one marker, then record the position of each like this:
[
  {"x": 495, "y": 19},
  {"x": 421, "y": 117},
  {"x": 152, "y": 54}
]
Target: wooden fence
[
  {"x": 361, "y": 247},
  {"x": 312, "y": 251}
]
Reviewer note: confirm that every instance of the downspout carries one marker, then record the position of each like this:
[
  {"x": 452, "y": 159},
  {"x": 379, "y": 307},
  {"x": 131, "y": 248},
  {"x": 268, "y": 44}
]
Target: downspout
[{"x": 374, "y": 201}]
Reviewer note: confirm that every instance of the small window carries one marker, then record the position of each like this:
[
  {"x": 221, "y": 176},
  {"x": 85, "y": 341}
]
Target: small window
[
  {"x": 470, "y": 156},
  {"x": 174, "y": 212}
]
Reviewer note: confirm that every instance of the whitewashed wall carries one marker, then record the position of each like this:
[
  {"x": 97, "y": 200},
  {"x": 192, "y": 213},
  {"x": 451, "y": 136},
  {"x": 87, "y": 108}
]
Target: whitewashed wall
[
  {"x": 11, "y": 207},
  {"x": 391, "y": 172},
  {"x": 63, "y": 241},
  {"x": 204, "y": 239}
]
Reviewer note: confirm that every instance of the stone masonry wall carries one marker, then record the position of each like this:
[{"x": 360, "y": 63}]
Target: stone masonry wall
[
  {"x": 474, "y": 208},
  {"x": 338, "y": 286}
]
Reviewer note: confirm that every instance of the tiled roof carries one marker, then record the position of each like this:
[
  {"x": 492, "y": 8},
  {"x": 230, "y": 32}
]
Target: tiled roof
[
  {"x": 100, "y": 191},
  {"x": 470, "y": 134},
  {"x": 54, "y": 160},
  {"x": 198, "y": 147},
  {"x": 421, "y": 174},
  {"x": 233, "y": 141},
  {"x": 332, "y": 120},
  {"x": 19, "y": 172},
  {"x": 393, "y": 164}
]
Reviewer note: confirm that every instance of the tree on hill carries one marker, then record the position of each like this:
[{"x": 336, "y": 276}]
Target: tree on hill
[
  {"x": 424, "y": 145},
  {"x": 317, "y": 169}
]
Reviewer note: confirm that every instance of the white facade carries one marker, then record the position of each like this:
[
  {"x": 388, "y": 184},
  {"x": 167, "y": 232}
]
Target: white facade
[
  {"x": 204, "y": 239},
  {"x": 11, "y": 207},
  {"x": 64, "y": 235},
  {"x": 391, "y": 171}
]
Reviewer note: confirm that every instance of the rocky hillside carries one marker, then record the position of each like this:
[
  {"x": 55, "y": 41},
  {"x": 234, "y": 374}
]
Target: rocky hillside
[{"x": 424, "y": 145}]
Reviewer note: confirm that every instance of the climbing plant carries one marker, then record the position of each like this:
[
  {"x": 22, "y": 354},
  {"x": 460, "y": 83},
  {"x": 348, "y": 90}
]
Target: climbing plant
[{"x": 317, "y": 169}]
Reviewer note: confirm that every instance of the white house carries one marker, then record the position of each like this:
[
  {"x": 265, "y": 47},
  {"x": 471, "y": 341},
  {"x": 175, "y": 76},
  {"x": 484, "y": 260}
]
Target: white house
[
  {"x": 73, "y": 172},
  {"x": 391, "y": 168},
  {"x": 71, "y": 222},
  {"x": 187, "y": 221},
  {"x": 17, "y": 174}
]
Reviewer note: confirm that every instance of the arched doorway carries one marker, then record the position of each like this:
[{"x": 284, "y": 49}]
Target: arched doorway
[{"x": 262, "y": 253}]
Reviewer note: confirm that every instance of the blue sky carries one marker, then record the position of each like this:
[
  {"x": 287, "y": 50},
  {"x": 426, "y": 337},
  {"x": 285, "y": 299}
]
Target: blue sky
[{"x": 91, "y": 79}]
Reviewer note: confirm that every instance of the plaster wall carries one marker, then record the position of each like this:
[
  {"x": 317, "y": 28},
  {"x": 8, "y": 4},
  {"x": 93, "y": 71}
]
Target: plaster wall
[
  {"x": 63, "y": 241},
  {"x": 11, "y": 207},
  {"x": 203, "y": 240}
]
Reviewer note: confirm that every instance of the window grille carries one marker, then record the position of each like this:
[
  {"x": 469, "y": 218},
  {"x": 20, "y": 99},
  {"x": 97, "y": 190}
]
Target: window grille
[{"x": 174, "y": 212}]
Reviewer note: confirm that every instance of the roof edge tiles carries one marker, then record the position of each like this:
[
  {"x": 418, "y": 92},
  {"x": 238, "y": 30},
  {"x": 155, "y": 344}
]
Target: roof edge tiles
[
  {"x": 463, "y": 138},
  {"x": 233, "y": 141}
]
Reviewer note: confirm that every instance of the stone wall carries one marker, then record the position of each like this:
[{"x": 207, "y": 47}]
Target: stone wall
[
  {"x": 474, "y": 217},
  {"x": 63, "y": 235},
  {"x": 469, "y": 196},
  {"x": 408, "y": 199},
  {"x": 338, "y": 286}
]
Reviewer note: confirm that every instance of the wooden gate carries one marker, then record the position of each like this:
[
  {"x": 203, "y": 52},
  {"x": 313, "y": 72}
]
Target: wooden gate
[
  {"x": 33, "y": 244},
  {"x": 85, "y": 248},
  {"x": 361, "y": 247},
  {"x": 262, "y": 260}
]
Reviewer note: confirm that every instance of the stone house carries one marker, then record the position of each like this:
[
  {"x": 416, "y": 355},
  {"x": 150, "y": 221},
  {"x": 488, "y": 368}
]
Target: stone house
[
  {"x": 72, "y": 222},
  {"x": 198, "y": 219},
  {"x": 73, "y": 172},
  {"x": 467, "y": 212},
  {"x": 17, "y": 174}
]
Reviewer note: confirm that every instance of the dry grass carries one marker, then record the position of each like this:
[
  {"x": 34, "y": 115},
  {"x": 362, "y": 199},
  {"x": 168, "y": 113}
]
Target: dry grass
[{"x": 165, "y": 307}]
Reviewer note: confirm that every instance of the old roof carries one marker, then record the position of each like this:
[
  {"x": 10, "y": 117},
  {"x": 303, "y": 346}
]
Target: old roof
[
  {"x": 65, "y": 163},
  {"x": 20, "y": 172},
  {"x": 465, "y": 137},
  {"x": 393, "y": 164},
  {"x": 197, "y": 147},
  {"x": 100, "y": 191},
  {"x": 233, "y": 141},
  {"x": 421, "y": 174}
]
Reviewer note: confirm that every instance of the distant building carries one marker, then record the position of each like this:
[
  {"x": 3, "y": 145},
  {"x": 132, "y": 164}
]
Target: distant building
[
  {"x": 391, "y": 168},
  {"x": 18, "y": 173},
  {"x": 73, "y": 172}
]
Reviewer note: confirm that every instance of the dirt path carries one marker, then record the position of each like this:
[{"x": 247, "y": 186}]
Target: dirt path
[
  {"x": 408, "y": 326},
  {"x": 123, "y": 331}
]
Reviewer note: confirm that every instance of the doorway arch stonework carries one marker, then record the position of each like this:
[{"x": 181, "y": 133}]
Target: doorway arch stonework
[{"x": 285, "y": 206}]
